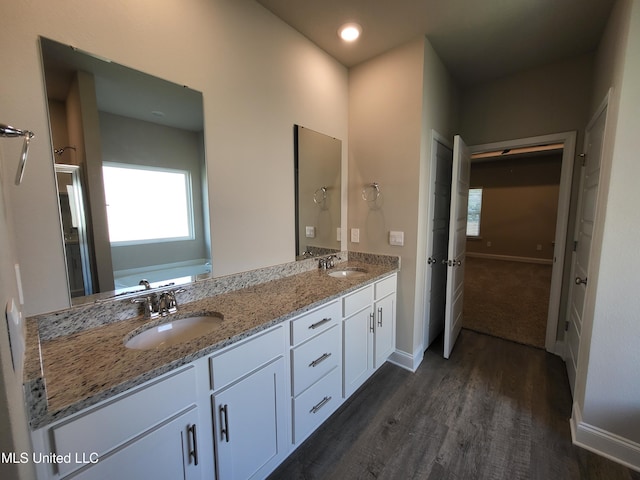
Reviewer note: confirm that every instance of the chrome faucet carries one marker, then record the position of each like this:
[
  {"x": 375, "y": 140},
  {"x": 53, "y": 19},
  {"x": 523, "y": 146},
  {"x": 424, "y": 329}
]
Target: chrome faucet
[
  {"x": 159, "y": 305},
  {"x": 327, "y": 262}
]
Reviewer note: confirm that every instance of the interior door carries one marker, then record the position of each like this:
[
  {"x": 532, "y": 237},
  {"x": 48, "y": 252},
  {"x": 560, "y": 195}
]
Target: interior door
[
  {"x": 589, "y": 182},
  {"x": 439, "y": 243},
  {"x": 457, "y": 243}
]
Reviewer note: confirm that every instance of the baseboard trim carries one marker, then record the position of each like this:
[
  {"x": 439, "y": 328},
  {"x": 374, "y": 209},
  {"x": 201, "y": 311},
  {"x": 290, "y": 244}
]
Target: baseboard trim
[
  {"x": 491, "y": 256},
  {"x": 406, "y": 360},
  {"x": 602, "y": 442}
]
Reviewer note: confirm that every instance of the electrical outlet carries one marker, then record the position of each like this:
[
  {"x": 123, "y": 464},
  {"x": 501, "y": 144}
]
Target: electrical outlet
[
  {"x": 489, "y": 243},
  {"x": 355, "y": 235},
  {"x": 338, "y": 234},
  {"x": 310, "y": 232},
  {"x": 539, "y": 247}
]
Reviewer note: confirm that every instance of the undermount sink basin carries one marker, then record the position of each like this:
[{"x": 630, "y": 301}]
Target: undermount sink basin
[
  {"x": 347, "y": 272},
  {"x": 176, "y": 331}
]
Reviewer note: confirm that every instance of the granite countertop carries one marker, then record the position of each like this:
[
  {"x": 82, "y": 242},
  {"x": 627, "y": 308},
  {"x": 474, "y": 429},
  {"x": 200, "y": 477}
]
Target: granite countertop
[{"x": 74, "y": 371}]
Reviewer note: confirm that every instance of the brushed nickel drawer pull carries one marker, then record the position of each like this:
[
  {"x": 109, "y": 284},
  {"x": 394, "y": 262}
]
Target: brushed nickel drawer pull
[
  {"x": 313, "y": 326},
  {"x": 194, "y": 439},
  {"x": 224, "y": 420},
  {"x": 321, "y": 404},
  {"x": 372, "y": 321},
  {"x": 380, "y": 316},
  {"x": 320, "y": 359}
]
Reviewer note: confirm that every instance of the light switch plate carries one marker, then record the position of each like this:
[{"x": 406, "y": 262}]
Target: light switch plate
[
  {"x": 355, "y": 235},
  {"x": 310, "y": 232},
  {"x": 396, "y": 238}
]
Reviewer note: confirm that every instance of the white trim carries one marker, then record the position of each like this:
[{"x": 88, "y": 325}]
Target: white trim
[
  {"x": 562, "y": 221},
  {"x": 406, "y": 360},
  {"x": 602, "y": 442},
  {"x": 510, "y": 258}
]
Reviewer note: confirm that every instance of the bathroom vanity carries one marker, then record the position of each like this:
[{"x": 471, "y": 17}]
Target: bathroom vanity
[{"x": 235, "y": 401}]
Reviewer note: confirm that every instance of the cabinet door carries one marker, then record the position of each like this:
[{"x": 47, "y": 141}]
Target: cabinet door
[
  {"x": 358, "y": 350},
  {"x": 385, "y": 320},
  {"x": 168, "y": 452},
  {"x": 250, "y": 424}
]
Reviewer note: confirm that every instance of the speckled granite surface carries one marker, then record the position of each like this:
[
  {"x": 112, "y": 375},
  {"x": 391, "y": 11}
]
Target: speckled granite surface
[{"x": 82, "y": 365}]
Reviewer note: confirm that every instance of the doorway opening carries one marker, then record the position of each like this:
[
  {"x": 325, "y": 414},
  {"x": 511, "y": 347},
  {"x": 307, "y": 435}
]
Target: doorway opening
[
  {"x": 510, "y": 244},
  {"x": 434, "y": 324}
]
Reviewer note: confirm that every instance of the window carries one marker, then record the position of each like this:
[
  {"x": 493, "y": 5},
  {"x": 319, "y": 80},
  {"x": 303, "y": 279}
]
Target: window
[
  {"x": 146, "y": 204},
  {"x": 474, "y": 208}
]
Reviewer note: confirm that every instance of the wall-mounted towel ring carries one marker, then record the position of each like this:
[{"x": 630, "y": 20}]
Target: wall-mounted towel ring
[
  {"x": 371, "y": 192},
  {"x": 320, "y": 196},
  {"x": 9, "y": 131}
]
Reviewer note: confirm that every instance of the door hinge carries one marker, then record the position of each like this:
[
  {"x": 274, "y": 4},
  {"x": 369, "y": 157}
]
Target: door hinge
[
  {"x": 583, "y": 156},
  {"x": 566, "y": 326},
  {"x": 575, "y": 245}
]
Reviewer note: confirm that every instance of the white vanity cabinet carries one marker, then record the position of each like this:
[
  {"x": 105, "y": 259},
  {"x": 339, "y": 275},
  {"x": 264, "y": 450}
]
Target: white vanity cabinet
[
  {"x": 316, "y": 373},
  {"x": 369, "y": 318},
  {"x": 150, "y": 432},
  {"x": 250, "y": 416}
]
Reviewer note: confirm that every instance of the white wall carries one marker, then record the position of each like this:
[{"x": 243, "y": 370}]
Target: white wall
[
  {"x": 394, "y": 101},
  {"x": 258, "y": 77},
  {"x": 13, "y": 433},
  {"x": 608, "y": 381},
  {"x": 552, "y": 98}
]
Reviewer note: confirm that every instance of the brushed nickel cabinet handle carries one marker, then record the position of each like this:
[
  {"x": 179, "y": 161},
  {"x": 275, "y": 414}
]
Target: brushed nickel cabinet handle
[
  {"x": 320, "y": 404},
  {"x": 380, "y": 316},
  {"x": 372, "y": 321},
  {"x": 320, "y": 359},
  {"x": 313, "y": 326},
  {"x": 224, "y": 423},
  {"x": 194, "y": 441}
]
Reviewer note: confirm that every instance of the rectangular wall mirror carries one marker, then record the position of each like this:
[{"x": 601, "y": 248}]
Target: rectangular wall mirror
[
  {"x": 129, "y": 157},
  {"x": 318, "y": 160}
]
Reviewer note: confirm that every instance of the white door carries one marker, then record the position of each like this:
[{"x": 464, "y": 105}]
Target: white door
[
  {"x": 457, "y": 243},
  {"x": 589, "y": 181},
  {"x": 250, "y": 418},
  {"x": 168, "y": 452},
  {"x": 385, "y": 310}
]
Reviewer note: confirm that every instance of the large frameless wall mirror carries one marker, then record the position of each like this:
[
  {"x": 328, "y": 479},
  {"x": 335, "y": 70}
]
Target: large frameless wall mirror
[
  {"x": 318, "y": 170},
  {"x": 129, "y": 157}
]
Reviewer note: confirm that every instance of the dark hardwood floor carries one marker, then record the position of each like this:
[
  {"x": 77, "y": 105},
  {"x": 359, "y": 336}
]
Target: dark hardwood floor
[{"x": 494, "y": 410}]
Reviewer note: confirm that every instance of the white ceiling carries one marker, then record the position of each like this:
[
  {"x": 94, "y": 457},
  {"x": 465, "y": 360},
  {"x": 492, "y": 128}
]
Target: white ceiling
[{"x": 478, "y": 40}]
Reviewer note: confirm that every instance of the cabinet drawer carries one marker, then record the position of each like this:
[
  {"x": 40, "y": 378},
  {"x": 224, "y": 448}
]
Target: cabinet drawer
[
  {"x": 356, "y": 301},
  {"x": 385, "y": 287},
  {"x": 312, "y": 323},
  {"x": 246, "y": 356},
  {"x": 102, "y": 429},
  {"x": 313, "y": 359},
  {"x": 315, "y": 405}
]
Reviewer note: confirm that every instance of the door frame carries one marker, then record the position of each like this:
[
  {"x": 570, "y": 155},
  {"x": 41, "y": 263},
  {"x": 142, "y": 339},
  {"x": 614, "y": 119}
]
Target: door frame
[{"x": 568, "y": 139}]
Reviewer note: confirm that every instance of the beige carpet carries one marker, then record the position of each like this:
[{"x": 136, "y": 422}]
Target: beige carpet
[{"x": 507, "y": 299}]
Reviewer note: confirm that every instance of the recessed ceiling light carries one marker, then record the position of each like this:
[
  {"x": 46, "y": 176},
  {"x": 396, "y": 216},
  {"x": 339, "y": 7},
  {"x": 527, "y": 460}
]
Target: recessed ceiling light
[{"x": 350, "y": 32}]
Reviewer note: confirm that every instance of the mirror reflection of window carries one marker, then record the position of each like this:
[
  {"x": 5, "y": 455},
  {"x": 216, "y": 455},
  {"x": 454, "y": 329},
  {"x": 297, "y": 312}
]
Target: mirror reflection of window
[{"x": 168, "y": 191}]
